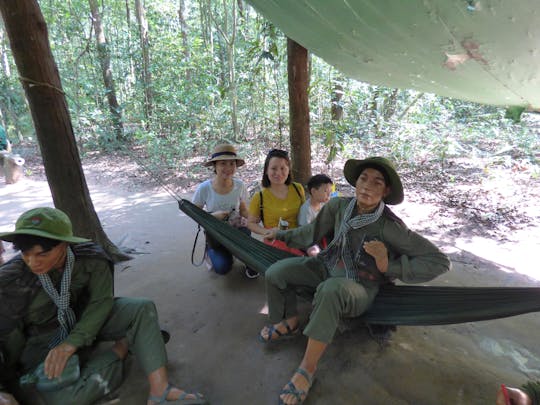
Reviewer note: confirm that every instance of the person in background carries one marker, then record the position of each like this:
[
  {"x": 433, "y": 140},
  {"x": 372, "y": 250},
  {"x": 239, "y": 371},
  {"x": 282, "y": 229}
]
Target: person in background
[
  {"x": 57, "y": 302},
  {"x": 370, "y": 247},
  {"x": 319, "y": 189},
  {"x": 278, "y": 203},
  {"x": 225, "y": 197},
  {"x": 528, "y": 394}
]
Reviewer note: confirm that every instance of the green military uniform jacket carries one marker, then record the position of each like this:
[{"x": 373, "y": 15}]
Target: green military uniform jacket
[
  {"x": 412, "y": 258},
  {"x": 27, "y": 310}
]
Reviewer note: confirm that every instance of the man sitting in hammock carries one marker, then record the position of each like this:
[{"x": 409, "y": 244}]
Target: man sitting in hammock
[{"x": 371, "y": 247}]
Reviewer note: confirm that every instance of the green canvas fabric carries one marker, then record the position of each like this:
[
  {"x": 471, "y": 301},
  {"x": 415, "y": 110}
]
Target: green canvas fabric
[
  {"x": 394, "y": 305},
  {"x": 485, "y": 52}
]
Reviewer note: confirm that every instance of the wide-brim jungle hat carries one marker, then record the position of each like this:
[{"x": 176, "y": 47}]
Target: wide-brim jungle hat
[
  {"x": 45, "y": 222},
  {"x": 225, "y": 151},
  {"x": 353, "y": 168}
]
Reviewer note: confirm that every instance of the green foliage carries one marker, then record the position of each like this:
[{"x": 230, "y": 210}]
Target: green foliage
[{"x": 190, "y": 85}]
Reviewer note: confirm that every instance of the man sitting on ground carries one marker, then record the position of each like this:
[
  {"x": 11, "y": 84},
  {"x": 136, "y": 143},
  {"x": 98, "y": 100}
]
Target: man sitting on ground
[{"x": 57, "y": 300}]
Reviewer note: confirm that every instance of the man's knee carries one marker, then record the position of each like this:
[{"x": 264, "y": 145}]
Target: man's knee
[
  {"x": 338, "y": 288},
  {"x": 136, "y": 305},
  {"x": 274, "y": 273}
]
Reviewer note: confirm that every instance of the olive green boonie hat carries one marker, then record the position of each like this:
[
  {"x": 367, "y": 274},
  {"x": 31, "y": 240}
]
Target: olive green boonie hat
[
  {"x": 353, "y": 168},
  {"x": 45, "y": 222}
]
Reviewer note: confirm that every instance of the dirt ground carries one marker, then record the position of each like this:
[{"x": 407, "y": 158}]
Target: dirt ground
[{"x": 488, "y": 222}]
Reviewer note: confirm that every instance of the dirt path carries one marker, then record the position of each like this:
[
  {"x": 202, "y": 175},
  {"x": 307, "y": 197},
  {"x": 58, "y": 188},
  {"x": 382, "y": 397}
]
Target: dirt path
[{"x": 214, "y": 320}]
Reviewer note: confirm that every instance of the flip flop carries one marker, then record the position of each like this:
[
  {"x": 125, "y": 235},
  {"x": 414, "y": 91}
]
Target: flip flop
[
  {"x": 290, "y": 388},
  {"x": 182, "y": 400},
  {"x": 281, "y": 336}
]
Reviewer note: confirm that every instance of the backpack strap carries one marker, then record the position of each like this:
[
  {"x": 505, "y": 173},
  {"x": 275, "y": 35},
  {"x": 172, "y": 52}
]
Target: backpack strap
[
  {"x": 302, "y": 199},
  {"x": 261, "y": 214}
]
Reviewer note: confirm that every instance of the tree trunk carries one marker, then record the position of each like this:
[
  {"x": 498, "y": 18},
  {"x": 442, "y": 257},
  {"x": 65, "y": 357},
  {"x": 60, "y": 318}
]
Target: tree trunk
[
  {"x": 228, "y": 34},
  {"x": 390, "y": 105},
  {"x": 298, "y": 76},
  {"x": 337, "y": 95},
  {"x": 145, "y": 49},
  {"x": 105, "y": 61},
  {"x": 233, "y": 92},
  {"x": 185, "y": 42},
  {"x": 29, "y": 41},
  {"x": 373, "y": 109},
  {"x": 4, "y": 55},
  {"x": 406, "y": 110},
  {"x": 183, "y": 28}
]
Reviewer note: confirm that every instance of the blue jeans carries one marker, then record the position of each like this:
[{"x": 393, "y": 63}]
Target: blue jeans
[{"x": 220, "y": 257}]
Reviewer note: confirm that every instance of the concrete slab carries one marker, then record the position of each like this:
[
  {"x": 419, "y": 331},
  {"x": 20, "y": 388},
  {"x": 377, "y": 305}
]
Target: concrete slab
[{"x": 214, "y": 321}]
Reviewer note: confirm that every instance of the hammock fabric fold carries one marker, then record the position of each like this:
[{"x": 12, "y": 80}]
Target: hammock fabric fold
[{"x": 394, "y": 305}]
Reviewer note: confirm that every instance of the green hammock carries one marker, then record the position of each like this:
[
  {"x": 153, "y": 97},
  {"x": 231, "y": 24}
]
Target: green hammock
[{"x": 394, "y": 305}]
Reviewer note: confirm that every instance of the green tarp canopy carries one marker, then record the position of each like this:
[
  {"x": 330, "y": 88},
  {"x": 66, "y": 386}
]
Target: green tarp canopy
[{"x": 486, "y": 51}]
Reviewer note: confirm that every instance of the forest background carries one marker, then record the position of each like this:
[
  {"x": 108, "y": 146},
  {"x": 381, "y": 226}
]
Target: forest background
[{"x": 164, "y": 81}]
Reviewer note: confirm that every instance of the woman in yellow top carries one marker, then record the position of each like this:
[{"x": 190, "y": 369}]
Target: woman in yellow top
[{"x": 280, "y": 199}]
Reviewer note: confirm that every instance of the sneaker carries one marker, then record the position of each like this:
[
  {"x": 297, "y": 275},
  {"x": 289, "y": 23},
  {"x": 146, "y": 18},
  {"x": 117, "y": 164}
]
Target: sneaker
[
  {"x": 251, "y": 273},
  {"x": 208, "y": 262}
]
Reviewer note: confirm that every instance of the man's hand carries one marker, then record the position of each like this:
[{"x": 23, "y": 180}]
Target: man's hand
[
  {"x": 7, "y": 399},
  {"x": 378, "y": 250},
  {"x": 313, "y": 250},
  {"x": 270, "y": 234},
  {"x": 516, "y": 396},
  {"x": 56, "y": 360}
]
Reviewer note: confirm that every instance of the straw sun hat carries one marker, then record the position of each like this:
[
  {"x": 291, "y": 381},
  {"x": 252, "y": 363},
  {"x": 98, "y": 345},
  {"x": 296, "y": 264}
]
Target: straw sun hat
[{"x": 225, "y": 151}]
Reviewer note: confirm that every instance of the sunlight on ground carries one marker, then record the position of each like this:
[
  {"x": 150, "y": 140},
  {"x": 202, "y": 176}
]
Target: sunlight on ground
[
  {"x": 31, "y": 194},
  {"x": 515, "y": 255},
  {"x": 510, "y": 256}
]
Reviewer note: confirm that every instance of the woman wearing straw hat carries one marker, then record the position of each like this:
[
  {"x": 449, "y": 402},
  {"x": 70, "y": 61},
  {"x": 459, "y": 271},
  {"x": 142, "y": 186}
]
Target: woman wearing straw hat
[
  {"x": 224, "y": 196},
  {"x": 370, "y": 247},
  {"x": 57, "y": 301}
]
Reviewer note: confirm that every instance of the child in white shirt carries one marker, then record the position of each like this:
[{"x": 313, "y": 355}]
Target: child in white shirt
[{"x": 319, "y": 189}]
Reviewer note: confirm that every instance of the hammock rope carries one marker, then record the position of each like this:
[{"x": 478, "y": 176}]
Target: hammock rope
[{"x": 394, "y": 305}]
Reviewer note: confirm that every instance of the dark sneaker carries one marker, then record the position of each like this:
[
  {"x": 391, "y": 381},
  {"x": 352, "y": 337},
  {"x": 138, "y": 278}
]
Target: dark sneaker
[{"x": 251, "y": 273}]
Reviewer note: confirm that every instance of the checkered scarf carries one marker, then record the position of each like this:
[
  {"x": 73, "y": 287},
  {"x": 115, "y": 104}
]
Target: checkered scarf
[
  {"x": 66, "y": 316},
  {"x": 340, "y": 246}
]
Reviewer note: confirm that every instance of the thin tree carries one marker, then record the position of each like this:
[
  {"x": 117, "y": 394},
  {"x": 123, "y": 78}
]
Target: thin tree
[
  {"x": 29, "y": 40},
  {"x": 145, "y": 71},
  {"x": 184, "y": 33},
  {"x": 104, "y": 55},
  {"x": 227, "y": 29},
  {"x": 298, "y": 76}
]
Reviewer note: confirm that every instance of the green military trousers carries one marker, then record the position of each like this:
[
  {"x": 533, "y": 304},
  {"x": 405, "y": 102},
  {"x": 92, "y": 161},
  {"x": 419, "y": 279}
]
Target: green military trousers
[
  {"x": 335, "y": 296},
  {"x": 133, "y": 318}
]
